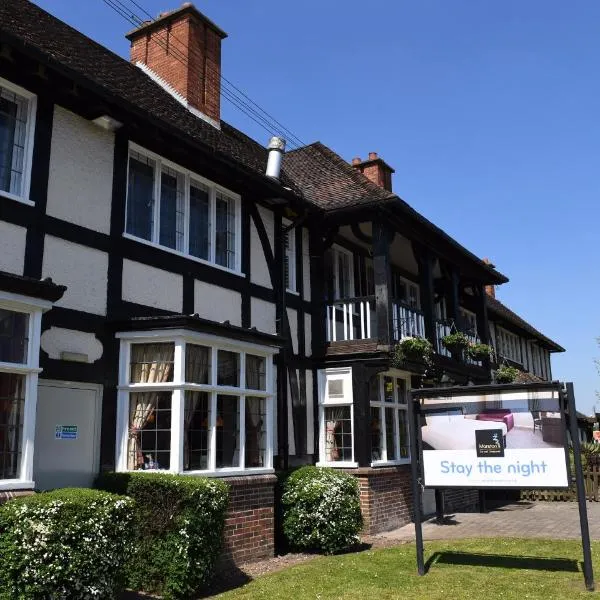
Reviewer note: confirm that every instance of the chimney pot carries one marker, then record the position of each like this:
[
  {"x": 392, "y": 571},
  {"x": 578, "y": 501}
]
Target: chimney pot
[
  {"x": 356, "y": 160},
  {"x": 375, "y": 169},
  {"x": 276, "y": 149},
  {"x": 372, "y": 155}
]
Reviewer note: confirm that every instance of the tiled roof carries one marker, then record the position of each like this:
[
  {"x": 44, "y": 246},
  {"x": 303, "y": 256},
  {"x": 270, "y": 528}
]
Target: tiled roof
[
  {"x": 496, "y": 307},
  {"x": 110, "y": 75}
]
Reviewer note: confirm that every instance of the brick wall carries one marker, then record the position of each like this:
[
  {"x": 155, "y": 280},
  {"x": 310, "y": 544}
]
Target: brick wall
[
  {"x": 249, "y": 525},
  {"x": 385, "y": 497}
]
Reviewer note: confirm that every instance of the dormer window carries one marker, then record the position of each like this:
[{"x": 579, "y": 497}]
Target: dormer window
[{"x": 179, "y": 211}]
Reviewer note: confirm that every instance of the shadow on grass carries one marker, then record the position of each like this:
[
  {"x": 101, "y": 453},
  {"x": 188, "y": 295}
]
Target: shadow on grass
[{"x": 503, "y": 561}]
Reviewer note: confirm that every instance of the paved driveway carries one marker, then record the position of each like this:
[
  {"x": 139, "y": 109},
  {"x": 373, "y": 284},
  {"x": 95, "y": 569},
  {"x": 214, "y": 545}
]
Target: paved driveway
[{"x": 558, "y": 520}]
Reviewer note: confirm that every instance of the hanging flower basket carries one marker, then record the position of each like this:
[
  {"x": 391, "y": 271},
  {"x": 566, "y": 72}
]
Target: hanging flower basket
[
  {"x": 416, "y": 349},
  {"x": 456, "y": 343},
  {"x": 479, "y": 351},
  {"x": 506, "y": 374}
]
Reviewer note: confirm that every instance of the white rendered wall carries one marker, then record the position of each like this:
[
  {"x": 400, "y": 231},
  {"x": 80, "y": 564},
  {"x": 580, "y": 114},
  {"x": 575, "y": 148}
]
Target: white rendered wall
[
  {"x": 150, "y": 286},
  {"x": 262, "y": 315},
  {"x": 217, "y": 303},
  {"x": 81, "y": 170},
  {"x": 82, "y": 269},
  {"x": 259, "y": 271},
  {"x": 293, "y": 319},
  {"x": 56, "y": 340},
  {"x": 307, "y": 335},
  {"x": 12, "y": 248}
]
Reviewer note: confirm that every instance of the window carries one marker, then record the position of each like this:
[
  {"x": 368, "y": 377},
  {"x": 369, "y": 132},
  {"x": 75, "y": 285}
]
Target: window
[
  {"x": 536, "y": 360},
  {"x": 17, "y": 116},
  {"x": 20, "y": 327},
  {"x": 509, "y": 345},
  {"x": 194, "y": 403},
  {"x": 405, "y": 291},
  {"x": 290, "y": 258},
  {"x": 179, "y": 211},
  {"x": 389, "y": 422},
  {"x": 336, "y": 439},
  {"x": 342, "y": 273},
  {"x": 469, "y": 322}
]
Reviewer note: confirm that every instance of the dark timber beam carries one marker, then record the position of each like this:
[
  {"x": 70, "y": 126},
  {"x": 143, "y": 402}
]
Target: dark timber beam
[
  {"x": 425, "y": 261},
  {"x": 382, "y": 239}
]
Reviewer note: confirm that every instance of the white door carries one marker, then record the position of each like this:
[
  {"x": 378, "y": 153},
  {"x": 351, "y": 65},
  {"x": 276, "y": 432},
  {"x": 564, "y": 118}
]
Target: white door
[{"x": 67, "y": 434}]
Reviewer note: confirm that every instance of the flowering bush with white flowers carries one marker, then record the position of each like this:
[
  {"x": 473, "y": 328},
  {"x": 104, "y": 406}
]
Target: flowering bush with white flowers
[
  {"x": 179, "y": 525},
  {"x": 69, "y": 543},
  {"x": 321, "y": 509}
]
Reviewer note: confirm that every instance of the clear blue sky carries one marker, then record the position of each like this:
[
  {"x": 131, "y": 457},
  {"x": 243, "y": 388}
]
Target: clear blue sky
[{"x": 488, "y": 111}]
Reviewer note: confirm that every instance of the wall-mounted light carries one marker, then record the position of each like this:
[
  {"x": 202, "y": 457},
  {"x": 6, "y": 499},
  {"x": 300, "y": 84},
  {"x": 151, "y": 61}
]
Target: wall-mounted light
[{"x": 107, "y": 122}]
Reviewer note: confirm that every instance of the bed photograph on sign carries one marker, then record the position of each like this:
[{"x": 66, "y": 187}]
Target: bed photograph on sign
[{"x": 512, "y": 438}]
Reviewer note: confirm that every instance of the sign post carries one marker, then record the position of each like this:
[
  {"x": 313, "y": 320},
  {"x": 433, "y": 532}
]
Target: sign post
[{"x": 495, "y": 437}]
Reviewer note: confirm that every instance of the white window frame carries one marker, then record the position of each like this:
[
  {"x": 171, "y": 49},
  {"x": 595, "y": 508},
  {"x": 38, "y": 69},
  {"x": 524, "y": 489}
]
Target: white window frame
[
  {"x": 31, "y": 100},
  {"x": 290, "y": 253},
  {"x": 180, "y": 337},
  {"x": 507, "y": 342},
  {"x": 34, "y": 308},
  {"x": 397, "y": 406},
  {"x": 324, "y": 377},
  {"x": 336, "y": 251},
  {"x": 159, "y": 164}
]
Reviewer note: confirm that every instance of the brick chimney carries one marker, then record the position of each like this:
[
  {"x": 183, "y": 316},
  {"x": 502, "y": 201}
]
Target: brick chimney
[
  {"x": 490, "y": 290},
  {"x": 182, "y": 48},
  {"x": 376, "y": 169}
]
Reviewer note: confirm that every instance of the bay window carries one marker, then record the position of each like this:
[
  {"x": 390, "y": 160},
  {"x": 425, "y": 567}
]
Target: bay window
[
  {"x": 194, "y": 403},
  {"x": 17, "y": 116},
  {"x": 20, "y": 328},
  {"x": 175, "y": 209}
]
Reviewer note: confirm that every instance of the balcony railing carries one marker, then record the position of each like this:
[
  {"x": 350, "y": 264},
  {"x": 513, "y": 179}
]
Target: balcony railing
[
  {"x": 407, "y": 321},
  {"x": 351, "y": 319},
  {"x": 444, "y": 328}
]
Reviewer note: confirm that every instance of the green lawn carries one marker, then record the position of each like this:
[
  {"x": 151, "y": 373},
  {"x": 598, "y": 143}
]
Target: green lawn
[{"x": 477, "y": 569}]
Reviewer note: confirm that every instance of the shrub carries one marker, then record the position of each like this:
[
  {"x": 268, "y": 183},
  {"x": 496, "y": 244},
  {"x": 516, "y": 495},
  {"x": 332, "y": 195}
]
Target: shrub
[
  {"x": 178, "y": 529},
  {"x": 416, "y": 349},
  {"x": 69, "y": 543},
  {"x": 506, "y": 374},
  {"x": 321, "y": 509},
  {"x": 479, "y": 351}
]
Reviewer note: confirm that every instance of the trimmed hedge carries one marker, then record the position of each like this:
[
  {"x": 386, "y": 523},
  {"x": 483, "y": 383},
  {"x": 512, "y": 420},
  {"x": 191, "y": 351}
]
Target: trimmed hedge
[
  {"x": 321, "y": 509},
  {"x": 68, "y": 543},
  {"x": 178, "y": 530}
]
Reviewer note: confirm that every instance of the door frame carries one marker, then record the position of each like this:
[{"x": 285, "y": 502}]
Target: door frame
[{"x": 95, "y": 387}]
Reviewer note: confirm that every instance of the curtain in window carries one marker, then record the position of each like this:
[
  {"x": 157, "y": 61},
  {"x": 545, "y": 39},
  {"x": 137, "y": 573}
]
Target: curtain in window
[
  {"x": 334, "y": 432},
  {"x": 150, "y": 363},
  {"x": 255, "y": 372},
  {"x": 8, "y": 119},
  {"x": 255, "y": 420},
  {"x": 140, "y": 198}
]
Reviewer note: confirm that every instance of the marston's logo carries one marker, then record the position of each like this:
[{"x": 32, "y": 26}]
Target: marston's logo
[{"x": 489, "y": 442}]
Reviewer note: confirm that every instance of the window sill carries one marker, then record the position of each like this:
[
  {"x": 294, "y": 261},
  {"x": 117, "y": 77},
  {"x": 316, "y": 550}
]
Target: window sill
[
  {"x": 134, "y": 238},
  {"x": 293, "y": 292},
  {"x": 338, "y": 464},
  {"x": 15, "y": 484},
  {"x": 17, "y": 198},
  {"x": 229, "y": 472},
  {"x": 390, "y": 463}
]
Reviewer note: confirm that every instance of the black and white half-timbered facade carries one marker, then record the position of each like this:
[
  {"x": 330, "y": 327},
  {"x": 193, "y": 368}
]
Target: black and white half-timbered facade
[{"x": 171, "y": 299}]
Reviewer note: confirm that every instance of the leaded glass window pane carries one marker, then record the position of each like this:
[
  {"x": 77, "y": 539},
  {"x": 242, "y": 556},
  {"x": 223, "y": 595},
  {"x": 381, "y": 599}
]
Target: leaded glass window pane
[
  {"x": 140, "y": 196},
  {"x": 338, "y": 433},
  {"x": 228, "y": 431},
  {"x": 376, "y": 433},
  {"x": 256, "y": 372},
  {"x": 256, "y": 432},
  {"x": 14, "y": 340},
  {"x": 390, "y": 434},
  {"x": 152, "y": 363},
  {"x": 228, "y": 368},
  {"x": 225, "y": 231},
  {"x": 12, "y": 406},
  {"x": 172, "y": 209},
  {"x": 197, "y": 364},
  {"x": 199, "y": 221},
  {"x": 196, "y": 433},
  {"x": 13, "y": 130},
  {"x": 149, "y": 440}
]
